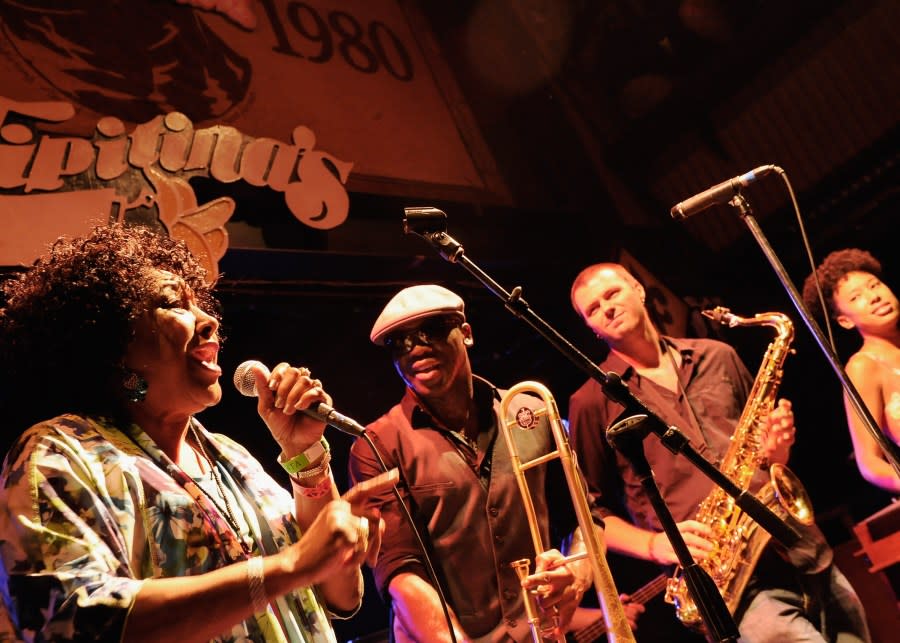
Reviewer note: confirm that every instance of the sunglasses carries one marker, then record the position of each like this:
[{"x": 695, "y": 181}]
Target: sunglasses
[{"x": 437, "y": 329}]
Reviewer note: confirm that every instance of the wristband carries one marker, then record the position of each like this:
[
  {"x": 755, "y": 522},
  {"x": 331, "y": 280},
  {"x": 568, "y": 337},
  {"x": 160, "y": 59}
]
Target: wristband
[
  {"x": 320, "y": 490},
  {"x": 300, "y": 462},
  {"x": 306, "y": 474}
]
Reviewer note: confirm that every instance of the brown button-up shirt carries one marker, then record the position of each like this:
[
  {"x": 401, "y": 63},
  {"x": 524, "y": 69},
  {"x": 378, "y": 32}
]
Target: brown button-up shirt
[
  {"x": 715, "y": 386},
  {"x": 470, "y": 504}
]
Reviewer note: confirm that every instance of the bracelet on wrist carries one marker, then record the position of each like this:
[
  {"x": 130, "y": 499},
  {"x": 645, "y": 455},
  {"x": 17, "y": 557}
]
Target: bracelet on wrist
[
  {"x": 319, "y": 490},
  {"x": 256, "y": 580},
  {"x": 300, "y": 462},
  {"x": 303, "y": 477}
]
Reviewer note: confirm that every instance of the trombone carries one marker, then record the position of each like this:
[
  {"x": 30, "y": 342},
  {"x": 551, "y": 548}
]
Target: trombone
[{"x": 525, "y": 418}]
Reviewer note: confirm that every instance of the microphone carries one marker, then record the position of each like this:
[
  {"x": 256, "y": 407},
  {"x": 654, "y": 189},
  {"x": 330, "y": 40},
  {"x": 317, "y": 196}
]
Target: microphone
[
  {"x": 424, "y": 220},
  {"x": 721, "y": 193},
  {"x": 245, "y": 382}
]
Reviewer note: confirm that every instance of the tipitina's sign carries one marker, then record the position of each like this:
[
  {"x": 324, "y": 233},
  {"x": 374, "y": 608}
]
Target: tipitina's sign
[{"x": 52, "y": 185}]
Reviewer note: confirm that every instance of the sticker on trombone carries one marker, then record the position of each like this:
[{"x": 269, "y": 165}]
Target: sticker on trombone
[{"x": 526, "y": 419}]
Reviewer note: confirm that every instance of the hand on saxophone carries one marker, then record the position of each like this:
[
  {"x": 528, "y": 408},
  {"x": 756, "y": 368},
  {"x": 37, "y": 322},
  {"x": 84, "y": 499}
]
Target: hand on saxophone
[
  {"x": 558, "y": 587},
  {"x": 696, "y": 536},
  {"x": 778, "y": 432}
]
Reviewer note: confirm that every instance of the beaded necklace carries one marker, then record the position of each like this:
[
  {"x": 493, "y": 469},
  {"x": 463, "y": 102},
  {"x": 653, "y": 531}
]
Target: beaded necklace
[{"x": 228, "y": 514}]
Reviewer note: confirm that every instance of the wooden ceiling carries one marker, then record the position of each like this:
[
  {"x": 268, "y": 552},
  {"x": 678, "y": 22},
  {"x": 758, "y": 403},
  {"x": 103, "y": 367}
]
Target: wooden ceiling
[{"x": 615, "y": 110}]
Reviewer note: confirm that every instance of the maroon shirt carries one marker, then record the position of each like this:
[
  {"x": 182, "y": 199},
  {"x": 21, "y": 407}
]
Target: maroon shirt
[{"x": 470, "y": 504}]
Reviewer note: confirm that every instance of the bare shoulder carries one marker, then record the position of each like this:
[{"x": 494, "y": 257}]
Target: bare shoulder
[{"x": 863, "y": 365}]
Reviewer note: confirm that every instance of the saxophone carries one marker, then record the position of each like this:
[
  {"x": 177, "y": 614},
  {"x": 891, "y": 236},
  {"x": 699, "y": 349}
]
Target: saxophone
[{"x": 738, "y": 541}]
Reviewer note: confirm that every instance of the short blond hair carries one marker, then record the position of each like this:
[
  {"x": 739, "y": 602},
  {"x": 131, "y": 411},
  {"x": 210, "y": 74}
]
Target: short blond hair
[{"x": 585, "y": 275}]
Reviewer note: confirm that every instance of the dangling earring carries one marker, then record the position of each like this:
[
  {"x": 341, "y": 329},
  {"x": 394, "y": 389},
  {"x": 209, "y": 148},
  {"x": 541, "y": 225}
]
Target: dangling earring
[{"x": 135, "y": 386}]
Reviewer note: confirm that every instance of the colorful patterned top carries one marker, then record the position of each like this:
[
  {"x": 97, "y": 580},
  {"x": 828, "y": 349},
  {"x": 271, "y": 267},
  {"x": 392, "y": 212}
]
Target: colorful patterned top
[{"x": 88, "y": 511}]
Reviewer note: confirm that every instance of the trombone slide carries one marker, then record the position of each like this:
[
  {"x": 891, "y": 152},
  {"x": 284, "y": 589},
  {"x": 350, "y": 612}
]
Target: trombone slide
[{"x": 525, "y": 418}]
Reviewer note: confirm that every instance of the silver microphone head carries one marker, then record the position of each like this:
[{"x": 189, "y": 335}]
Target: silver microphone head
[{"x": 245, "y": 380}]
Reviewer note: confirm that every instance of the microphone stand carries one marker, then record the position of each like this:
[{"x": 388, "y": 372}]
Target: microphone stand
[
  {"x": 891, "y": 450},
  {"x": 426, "y": 555},
  {"x": 627, "y": 437},
  {"x": 430, "y": 224}
]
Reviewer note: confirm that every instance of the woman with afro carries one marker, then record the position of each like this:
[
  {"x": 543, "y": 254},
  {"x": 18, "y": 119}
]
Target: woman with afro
[{"x": 856, "y": 297}]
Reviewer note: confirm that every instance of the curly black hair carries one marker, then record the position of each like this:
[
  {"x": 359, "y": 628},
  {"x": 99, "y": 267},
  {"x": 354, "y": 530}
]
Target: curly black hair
[
  {"x": 830, "y": 273},
  {"x": 67, "y": 321}
]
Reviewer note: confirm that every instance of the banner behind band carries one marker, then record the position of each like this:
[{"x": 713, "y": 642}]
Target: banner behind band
[{"x": 266, "y": 79}]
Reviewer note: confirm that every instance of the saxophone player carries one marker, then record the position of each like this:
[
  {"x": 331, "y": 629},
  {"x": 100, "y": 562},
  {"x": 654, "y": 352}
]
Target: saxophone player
[{"x": 699, "y": 386}]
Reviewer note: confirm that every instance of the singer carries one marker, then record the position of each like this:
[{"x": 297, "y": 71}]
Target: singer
[
  {"x": 121, "y": 517},
  {"x": 459, "y": 484},
  {"x": 857, "y": 299},
  {"x": 699, "y": 386}
]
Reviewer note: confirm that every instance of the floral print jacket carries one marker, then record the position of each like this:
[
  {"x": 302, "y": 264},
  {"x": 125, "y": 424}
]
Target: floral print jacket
[{"x": 89, "y": 511}]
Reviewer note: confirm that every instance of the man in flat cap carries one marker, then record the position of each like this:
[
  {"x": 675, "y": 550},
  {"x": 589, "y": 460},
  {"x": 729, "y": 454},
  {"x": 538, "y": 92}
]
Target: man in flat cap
[{"x": 458, "y": 481}]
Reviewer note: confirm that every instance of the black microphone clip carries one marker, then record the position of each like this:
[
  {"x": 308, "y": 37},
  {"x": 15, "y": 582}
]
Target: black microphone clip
[{"x": 424, "y": 221}]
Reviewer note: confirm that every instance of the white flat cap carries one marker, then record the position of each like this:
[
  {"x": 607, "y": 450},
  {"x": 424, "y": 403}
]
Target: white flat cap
[{"x": 415, "y": 302}]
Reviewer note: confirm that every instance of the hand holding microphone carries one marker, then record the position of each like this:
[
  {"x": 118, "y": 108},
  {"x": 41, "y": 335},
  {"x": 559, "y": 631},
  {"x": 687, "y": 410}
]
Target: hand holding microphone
[
  {"x": 294, "y": 390},
  {"x": 347, "y": 531}
]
